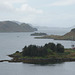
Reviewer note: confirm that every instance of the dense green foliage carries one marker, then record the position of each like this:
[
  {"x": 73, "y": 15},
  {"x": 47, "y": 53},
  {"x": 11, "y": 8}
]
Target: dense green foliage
[
  {"x": 33, "y": 50},
  {"x": 60, "y": 48}
]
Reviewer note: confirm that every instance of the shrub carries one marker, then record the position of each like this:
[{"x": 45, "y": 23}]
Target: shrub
[{"x": 60, "y": 48}]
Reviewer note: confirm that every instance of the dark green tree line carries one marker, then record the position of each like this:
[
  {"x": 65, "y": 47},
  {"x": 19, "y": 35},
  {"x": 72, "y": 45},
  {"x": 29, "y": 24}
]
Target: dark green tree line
[{"x": 33, "y": 50}]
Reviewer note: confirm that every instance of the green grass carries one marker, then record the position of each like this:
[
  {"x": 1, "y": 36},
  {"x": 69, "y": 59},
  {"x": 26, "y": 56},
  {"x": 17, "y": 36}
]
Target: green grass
[{"x": 69, "y": 53}]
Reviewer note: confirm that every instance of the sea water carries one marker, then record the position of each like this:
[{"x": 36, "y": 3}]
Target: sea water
[{"x": 12, "y": 42}]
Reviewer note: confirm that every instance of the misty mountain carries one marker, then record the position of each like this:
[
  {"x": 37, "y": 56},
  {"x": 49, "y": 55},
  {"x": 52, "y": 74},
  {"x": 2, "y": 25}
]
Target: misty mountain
[
  {"x": 10, "y": 26},
  {"x": 17, "y": 22}
]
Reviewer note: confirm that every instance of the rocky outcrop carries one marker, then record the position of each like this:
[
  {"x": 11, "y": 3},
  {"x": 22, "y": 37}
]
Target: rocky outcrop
[{"x": 40, "y": 61}]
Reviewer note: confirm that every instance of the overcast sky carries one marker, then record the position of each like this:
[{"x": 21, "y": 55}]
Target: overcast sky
[{"x": 52, "y": 13}]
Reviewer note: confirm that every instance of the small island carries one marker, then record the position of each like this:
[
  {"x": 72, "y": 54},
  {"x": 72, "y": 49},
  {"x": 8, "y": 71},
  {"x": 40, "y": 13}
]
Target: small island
[
  {"x": 38, "y": 34},
  {"x": 46, "y": 54},
  {"x": 68, "y": 36}
]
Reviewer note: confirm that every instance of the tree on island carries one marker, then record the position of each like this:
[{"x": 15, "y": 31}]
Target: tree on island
[{"x": 33, "y": 50}]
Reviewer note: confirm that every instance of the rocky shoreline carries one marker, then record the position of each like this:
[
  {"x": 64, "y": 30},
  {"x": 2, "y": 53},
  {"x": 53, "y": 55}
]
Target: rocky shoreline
[{"x": 39, "y": 61}]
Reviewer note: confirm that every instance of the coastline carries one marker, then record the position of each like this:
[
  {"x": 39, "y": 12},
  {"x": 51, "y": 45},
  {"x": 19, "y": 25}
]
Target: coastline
[{"x": 40, "y": 61}]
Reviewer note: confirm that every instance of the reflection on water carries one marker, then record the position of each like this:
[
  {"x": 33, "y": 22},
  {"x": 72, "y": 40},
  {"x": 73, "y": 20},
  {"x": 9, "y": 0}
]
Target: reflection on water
[
  {"x": 49, "y": 64},
  {"x": 66, "y": 68}
]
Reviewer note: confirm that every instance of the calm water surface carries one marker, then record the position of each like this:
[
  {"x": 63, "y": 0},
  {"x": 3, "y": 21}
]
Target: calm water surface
[
  {"x": 67, "y": 68},
  {"x": 11, "y": 42}
]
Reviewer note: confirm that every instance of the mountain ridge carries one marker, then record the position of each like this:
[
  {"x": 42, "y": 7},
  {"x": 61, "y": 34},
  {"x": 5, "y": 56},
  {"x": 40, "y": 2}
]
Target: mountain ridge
[{"x": 10, "y": 26}]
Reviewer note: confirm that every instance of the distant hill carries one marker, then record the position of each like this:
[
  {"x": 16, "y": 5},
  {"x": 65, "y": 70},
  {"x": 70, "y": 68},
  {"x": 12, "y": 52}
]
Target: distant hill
[
  {"x": 10, "y": 26},
  {"x": 68, "y": 36}
]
